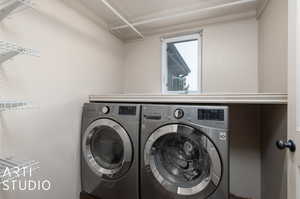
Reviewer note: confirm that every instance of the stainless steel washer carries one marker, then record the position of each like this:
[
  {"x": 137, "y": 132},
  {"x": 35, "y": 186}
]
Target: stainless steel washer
[
  {"x": 184, "y": 152},
  {"x": 109, "y": 148}
]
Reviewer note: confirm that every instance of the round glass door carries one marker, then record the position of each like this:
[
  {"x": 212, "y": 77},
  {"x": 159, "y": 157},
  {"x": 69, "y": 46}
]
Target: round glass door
[
  {"x": 183, "y": 160},
  {"x": 107, "y": 148}
]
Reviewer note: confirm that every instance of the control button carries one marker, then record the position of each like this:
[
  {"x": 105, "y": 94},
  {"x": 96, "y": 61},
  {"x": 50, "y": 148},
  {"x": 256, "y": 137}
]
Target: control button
[
  {"x": 178, "y": 113},
  {"x": 105, "y": 109}
]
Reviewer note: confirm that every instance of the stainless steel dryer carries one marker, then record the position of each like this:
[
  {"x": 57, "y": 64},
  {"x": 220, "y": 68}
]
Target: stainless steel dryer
[
  {"x": 184, "y": 152},
  {"x": 109, "y": 161}
]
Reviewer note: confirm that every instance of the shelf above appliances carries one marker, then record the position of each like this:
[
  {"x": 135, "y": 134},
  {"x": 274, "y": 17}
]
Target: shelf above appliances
[
  {"x": 134, "y": 19},
  {"x": 218, "y": 98},
  {"x": 187, "y": 18}
]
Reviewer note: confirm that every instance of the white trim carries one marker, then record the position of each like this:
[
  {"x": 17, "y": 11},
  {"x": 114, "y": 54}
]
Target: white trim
[
  {"x": 200, "y": 62},
  {"x": 182, "y": 33},
  {"x": 297, "y": 66},
  {"x": 183, "y": 37},
  {"x": 164, "y": 70}
]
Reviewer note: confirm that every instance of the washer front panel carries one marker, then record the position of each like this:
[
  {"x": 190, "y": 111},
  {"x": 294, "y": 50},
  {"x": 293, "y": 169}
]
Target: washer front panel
[
  {"x": 107, "y": 148},
  {"x": 183, "y": 160}
]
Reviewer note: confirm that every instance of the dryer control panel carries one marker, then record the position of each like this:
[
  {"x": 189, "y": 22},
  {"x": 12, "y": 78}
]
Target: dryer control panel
[{"x": 211, "y": 116}]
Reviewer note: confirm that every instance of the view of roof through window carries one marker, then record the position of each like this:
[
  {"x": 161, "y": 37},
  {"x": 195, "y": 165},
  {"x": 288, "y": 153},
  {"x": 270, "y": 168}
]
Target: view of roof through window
[{"x": 183, "y": 65}]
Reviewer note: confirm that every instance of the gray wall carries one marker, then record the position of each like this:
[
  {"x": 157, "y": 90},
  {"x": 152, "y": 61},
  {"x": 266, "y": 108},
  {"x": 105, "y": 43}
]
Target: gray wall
[
  {"x": 257, "y": 167},
  {"x": 245, "y": 153},
  {"x": 274, "y": 168}
]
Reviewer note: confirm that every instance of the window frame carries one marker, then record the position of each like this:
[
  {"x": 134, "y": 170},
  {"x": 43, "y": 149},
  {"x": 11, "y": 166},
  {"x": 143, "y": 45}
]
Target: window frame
[{"x": 164, "y": 64}]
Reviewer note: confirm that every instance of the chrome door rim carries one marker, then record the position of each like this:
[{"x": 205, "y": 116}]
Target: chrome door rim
[
  {"x": 87, "y": 153},
  {"x": 214, "y": 177}
]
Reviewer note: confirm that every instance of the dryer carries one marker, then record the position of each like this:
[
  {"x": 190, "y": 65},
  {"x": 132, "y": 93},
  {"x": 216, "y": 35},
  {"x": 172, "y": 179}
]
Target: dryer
[
  {"x": 109, "y": 148},
  {"x": 184, "y": 152}
]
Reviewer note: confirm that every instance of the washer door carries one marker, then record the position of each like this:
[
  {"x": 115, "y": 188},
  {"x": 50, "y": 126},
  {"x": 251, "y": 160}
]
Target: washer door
[
  {"x": 183, "y": 160},
  {"x": 107, "y": 148}
]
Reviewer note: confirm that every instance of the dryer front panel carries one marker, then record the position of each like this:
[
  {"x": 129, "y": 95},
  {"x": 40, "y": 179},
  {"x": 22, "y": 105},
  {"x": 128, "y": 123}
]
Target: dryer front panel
[
  {"x": 107, "y": 149},
  {"x": 183, "y": 160}
]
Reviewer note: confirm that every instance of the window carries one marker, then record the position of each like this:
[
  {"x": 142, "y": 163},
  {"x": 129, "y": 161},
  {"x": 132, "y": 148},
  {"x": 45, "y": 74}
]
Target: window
[{"x": 181, "y": 64}]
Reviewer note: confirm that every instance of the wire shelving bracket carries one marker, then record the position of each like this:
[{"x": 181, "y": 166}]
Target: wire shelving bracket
[
  {"x": 8, "y": 7},
  {"x": 8, "y": 50}
]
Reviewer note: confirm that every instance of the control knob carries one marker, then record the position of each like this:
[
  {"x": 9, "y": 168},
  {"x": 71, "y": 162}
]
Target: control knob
[
  {"x": 105, "y": 109},
  {"x": 178, "y": 113}
]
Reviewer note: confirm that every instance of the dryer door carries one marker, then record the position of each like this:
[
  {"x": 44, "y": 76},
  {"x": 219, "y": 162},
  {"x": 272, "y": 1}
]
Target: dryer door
[
  {"x": 183, "y": 160},
  {"x": 107, "y": 148}
]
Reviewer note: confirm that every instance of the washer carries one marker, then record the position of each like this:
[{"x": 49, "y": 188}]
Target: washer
[
  {"x": 184, "y": 152},
  {"x": 109, "y": 148}
]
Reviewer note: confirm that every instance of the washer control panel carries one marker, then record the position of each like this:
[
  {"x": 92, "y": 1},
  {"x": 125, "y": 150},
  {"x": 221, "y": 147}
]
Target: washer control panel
[
  {"x": 208, "y": 116},
  {"x": 127, "y": 110},
  {"x": 211, "y": 114}
]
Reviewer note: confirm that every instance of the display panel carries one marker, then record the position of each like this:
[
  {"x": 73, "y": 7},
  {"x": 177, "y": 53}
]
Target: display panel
[
  {"x": 211, "y": 114},
  {"x": 127, "y": 110}
]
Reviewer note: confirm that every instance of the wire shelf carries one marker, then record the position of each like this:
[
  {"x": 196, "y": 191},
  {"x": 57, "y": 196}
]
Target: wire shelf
[
  {"x": 9, "y": 50},
  {"x": 11, "y": 169},
  {"x": 14, "y": 105},
  {"x": 11, "y": 7},
  {"x": 13, "y": 47}
]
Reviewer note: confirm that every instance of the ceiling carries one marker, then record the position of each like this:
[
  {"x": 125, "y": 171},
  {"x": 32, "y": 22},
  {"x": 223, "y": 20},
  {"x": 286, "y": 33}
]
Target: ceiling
[{"x": 141, "y": 10}]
